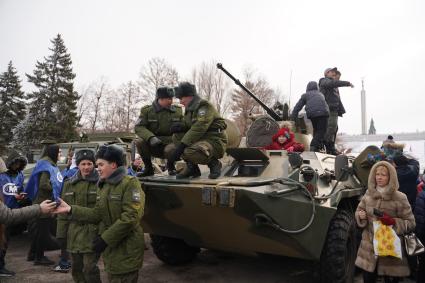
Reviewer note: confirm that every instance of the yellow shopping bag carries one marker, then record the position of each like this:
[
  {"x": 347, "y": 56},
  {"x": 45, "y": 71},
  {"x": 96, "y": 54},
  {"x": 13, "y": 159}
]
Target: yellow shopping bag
[{"x": 385, "y": 240}]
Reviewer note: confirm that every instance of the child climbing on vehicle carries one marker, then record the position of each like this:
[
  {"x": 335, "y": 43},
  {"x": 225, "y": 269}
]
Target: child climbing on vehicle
[{"x": 284, "y": 140}]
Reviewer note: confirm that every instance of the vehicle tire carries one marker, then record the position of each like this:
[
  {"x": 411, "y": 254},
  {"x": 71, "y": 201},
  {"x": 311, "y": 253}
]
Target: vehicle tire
[
  {"x": 173, "y": 251},
  {"x": 340, "y": 249}
]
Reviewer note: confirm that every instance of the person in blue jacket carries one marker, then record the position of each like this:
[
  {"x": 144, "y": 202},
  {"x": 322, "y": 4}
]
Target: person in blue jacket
[
  {"x": 11, "y": 185},
  {"x": 45, "y": 182}
]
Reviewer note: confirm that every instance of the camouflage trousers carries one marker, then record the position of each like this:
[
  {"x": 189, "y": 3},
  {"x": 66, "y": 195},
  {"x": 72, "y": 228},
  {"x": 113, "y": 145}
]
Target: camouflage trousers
[
  {"x": 331, "y": 131},
  {"x": 130, "y": 277},
  {"x": 84, "y": 267},
  {"x": 198, "y": 153}
]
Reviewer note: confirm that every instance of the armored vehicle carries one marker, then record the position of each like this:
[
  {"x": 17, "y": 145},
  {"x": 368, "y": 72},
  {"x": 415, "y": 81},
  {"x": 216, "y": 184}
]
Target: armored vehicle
[
  {"x": 265, "y": 202},
  {"x": 92, "y": 141}
]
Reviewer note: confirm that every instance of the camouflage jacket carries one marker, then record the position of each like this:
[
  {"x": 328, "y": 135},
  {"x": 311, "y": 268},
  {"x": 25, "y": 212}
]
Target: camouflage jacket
[
  {"x": 155, "y": 120},
  {"x": 82, "y": 192},
  {"x": 203, "y": 123},
  {"x": 119, "y": 208}
]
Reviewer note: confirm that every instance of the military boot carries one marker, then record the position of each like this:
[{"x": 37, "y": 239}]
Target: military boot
[
  {"x": 192, "y": 170},
  {"x": 148, "y": 171},
  {"x": 215, "y": 168}
]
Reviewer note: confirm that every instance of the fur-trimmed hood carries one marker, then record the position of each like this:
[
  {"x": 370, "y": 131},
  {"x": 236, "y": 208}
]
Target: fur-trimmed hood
[{"x": 392, "y": 184}]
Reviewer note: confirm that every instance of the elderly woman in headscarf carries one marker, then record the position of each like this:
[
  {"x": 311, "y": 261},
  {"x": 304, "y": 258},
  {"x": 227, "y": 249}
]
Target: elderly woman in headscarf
[{"x": 382, "y": 194}]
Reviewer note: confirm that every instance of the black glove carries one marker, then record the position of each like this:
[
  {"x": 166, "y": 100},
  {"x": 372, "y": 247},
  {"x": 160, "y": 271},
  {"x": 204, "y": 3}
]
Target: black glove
[
  {"x": 177, "y": 127},
  {"x": 99, "y": 245},
  {"x": 175, "y": 156},
  {"x": 154, "y": 141}
]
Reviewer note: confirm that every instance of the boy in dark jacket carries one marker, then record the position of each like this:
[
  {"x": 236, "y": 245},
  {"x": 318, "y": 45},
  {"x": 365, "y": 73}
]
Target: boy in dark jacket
[
  {"x": 329, "y": 87},
  {"x": 317, "y": 111}
]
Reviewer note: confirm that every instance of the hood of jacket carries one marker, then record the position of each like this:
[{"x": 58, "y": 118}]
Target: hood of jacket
[
  {"x": 284, "y": 132},
  {"x": 312, "y": 86},
  {"x": 392, "y": 184}
]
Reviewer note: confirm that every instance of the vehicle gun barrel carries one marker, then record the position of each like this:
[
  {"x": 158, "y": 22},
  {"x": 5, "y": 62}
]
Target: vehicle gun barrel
[{"x": 269, "y": 111}]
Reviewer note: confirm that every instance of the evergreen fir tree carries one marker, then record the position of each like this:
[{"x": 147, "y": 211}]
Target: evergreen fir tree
[
  {"x": 372, "y": 130},
  {"x": 12, "y": 104},
  {"x": 54, "y": 104}
]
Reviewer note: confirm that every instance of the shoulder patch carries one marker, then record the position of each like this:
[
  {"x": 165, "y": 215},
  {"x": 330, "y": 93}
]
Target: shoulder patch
[
  {"x": 135, "y": 195},
  {"x": 202, "y": 111}
]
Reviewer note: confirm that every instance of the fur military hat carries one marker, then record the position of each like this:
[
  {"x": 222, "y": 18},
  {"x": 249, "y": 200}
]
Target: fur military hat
[
  {"x": 185, "y": 89},
  {"x": 84, "y": 154},
  {"x": 111, "y": 153},
  {"x": 164, "y": 92}
]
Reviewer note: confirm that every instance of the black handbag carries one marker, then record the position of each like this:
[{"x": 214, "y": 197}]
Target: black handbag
[{"x": 412, "y": 244}]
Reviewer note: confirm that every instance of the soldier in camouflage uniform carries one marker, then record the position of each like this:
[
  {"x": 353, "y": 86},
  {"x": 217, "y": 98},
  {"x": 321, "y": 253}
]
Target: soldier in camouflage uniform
[
  {"x": 154, "y": 127},
  {"x": 81, "y": 190},
  {"x": 201, "y": 138},
  {"x": 118, "y": 210}
]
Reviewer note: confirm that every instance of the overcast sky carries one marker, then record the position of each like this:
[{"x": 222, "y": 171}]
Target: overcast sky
[{"x": 382, "y": 41}]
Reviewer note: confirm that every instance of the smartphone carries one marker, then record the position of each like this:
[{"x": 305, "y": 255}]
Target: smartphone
[{"x": 377, "y": 212}]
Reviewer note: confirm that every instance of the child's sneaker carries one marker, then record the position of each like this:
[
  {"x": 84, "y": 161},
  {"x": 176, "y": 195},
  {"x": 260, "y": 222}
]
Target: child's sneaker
[{"x": 63, "y": 268}]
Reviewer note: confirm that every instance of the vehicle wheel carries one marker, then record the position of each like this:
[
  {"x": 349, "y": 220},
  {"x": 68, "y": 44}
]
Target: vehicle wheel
[
  {"x": 340, "y": 249},
  {"x": 173, "y": 251}
]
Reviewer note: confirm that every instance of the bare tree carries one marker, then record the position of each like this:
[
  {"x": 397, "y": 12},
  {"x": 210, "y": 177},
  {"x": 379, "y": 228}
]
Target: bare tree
[
  {"x": 243, "y": 105},
  {"x": 156, "y": 73},
  {"x": 130, "y": 97},
  {"x": 83, "y": 105},
  {"x": 212, "y": 85}
]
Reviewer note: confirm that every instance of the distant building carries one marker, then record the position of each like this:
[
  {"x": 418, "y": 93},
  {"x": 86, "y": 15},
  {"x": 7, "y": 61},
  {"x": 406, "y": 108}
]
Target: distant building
[{"x": 372, "y": 130}]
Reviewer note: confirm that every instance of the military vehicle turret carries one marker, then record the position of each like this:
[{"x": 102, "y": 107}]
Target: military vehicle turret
[{"x": 265, "y": 202}]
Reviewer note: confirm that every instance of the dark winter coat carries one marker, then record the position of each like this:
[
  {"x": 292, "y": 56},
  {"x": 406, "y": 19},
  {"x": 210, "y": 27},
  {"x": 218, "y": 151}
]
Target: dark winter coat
[
  {"x": 393, "y": 203},
  {"x": 289, "y": 145},
  {"x": 329, "y": 88},
  {"x": 407, "y": 176},
  {"x": 420, "y": 216},
  {"x": 314, "y": 101}
]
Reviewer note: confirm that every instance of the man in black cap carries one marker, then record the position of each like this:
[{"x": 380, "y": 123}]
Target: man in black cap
[
  {"x": 155, "y": 126},
  {"x": 119, "y": 209},
  {"x": 202, "y": 139},
  {"x": 329, "y": 87}
]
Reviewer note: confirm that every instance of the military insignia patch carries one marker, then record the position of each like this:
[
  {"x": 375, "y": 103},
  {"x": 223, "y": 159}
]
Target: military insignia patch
[
  {"x": 202, "y": 112},
  {"x": 135, "y": 196}
]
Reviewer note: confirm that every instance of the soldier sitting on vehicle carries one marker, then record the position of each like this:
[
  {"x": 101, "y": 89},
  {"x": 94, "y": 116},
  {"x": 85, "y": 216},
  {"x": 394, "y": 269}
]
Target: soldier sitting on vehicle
[
  {"x": 155, "y": 125},
  {"x": 201, "y": 139}
]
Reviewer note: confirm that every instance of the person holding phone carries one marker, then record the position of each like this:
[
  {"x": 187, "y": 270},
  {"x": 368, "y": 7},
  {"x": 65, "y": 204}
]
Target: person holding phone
[
  {"x": 12, "y": 195},
  {"x": 383, "y": 202}
]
